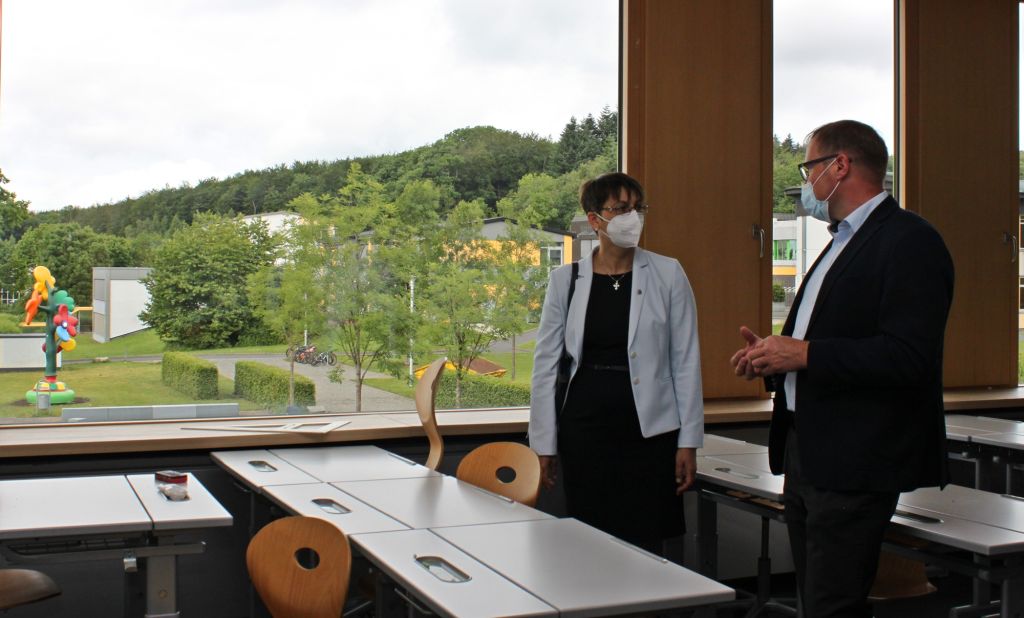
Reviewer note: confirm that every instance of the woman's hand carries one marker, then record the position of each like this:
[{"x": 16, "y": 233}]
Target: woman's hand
[
  {"x": 547, "y": 471},
  {"x": 686, "y": 468}
]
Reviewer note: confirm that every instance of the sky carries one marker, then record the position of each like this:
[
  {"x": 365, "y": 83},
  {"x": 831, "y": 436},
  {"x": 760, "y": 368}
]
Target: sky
[{"x": 104, "y": 100}]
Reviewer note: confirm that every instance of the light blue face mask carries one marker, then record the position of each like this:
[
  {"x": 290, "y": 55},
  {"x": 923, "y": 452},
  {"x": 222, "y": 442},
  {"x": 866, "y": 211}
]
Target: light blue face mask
[{"x": 812, "y": 205}]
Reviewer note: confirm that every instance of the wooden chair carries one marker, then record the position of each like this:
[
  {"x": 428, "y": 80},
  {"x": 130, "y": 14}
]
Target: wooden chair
[
  {"x": 899, "y": 577},
  {"x": 21, "y": 586},
  {"x": 426, "y": 393},
  {"x": 291, "y": 589},
  {"x": 482, "y": 465}
]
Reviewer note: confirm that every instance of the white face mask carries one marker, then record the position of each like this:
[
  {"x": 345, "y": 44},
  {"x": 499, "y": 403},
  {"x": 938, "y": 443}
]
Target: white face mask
[
  {"x": 624, "y": 230},
  {"x": 815, "y": 207}
]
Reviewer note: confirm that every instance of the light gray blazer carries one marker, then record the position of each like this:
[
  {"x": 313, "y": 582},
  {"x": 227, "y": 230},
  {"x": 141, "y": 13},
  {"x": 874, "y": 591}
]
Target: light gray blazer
[{"x": 664, "y": 356}]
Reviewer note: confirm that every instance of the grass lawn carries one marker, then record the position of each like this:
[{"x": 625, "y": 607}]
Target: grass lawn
[
  {"x": 147, "y": 343},
  {"x": 104, "y": 384}
]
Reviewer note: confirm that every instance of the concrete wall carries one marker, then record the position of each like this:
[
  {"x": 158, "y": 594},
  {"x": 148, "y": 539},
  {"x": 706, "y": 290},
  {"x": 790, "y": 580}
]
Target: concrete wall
[{"x": 23, "y": 351}]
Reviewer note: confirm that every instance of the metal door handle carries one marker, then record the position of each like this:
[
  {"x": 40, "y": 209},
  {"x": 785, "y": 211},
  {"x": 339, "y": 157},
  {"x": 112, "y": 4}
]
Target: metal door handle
[
  {"x": 758, "y": 233},
  {"x": 1012, "y": 239}
]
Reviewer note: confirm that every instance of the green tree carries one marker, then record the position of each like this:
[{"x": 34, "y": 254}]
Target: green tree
[
  {"x": 197, "y": 288},
  {"x": 285, "y": 295},
  {"x": 13, "y": 212},
  {"x": 70, "y": 252},
  {"x": 786, "y": 156},
  {"x": 473, "y": 292}
]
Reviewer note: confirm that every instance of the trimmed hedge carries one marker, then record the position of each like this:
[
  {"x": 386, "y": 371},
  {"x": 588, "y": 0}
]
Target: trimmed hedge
[
  {"x": 482, "y": 392},
  {"x": 267, "y": 384},
  {"x": 191, "y": 375}
]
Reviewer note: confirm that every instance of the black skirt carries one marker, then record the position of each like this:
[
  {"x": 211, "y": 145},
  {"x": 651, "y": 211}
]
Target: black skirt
[{"x": 614, "y": 478}]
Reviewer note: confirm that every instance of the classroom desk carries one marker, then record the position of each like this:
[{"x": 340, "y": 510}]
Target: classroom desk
[
  {"x": 988, "y": 527},
  {"x": 324, "y": 501},
  {"x": 720, "y": 445},
  {"x": 107, "y": 517},
  {"x": 993, "y": 445},
  {"x": 582, "y": 571},
  {"x": 431, "y": 502},
  {"x": 260, "y": 468},
  {"x": 337, "y": 464},
  {"x": 449, "y": 581}
]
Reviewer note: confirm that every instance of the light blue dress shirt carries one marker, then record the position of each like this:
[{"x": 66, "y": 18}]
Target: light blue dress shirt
[{"x": 840, "y": 238}]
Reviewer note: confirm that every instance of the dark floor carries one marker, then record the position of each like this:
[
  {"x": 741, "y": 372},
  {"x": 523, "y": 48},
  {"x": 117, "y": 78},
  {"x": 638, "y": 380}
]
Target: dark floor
[{"x": 952, "y": 590}]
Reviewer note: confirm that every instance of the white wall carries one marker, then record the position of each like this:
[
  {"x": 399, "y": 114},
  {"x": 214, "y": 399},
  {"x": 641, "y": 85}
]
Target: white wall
[
  {"x": 128, "y": 299},
  {"x": 24, "y": 351}
]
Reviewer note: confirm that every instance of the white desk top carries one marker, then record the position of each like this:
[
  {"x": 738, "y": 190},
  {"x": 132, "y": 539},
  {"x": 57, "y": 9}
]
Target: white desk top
[
  {"x": 964, "y": 427},
  {"x": 201, "y": 510},
  {"x": 756, "y": 461},
  {"x": 959, "y": 517},
  {"x": 720, "y": 445},
  {"x": 433, "y": 501},
  {"x": 970, "y": 504},
  {"x": 484, "y": 594},
  {"x": 951, "y": 531},
  {"x": 52, "y": 507},
  {"x": 582, "y": 571},
  {"x": 337, "y": 464},
  {"x": 1013, "y": 441},
  {"x": 329, "y": 503},
  {"x": 49, "y": 507},
  {"x": 260, "y": 468},
  {"x": 724, "y": 472}
]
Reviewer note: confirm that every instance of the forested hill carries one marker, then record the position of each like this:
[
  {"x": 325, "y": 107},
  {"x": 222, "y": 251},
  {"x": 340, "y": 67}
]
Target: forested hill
[{"x": 467, "y": 164}]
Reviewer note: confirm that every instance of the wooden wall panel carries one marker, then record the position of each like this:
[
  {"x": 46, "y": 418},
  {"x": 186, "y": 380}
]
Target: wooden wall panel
[
  {"x": 697, "y": 111},
  {"x": 958, "y": 116}
]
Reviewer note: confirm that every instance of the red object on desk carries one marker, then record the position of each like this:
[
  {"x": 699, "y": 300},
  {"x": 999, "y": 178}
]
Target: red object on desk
[{"x": 172, "y": 476}]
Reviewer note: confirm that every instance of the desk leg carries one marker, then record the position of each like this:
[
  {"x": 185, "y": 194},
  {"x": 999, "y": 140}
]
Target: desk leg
[
  {"x": 707, "y": 536},
  {"x": 987, "y": 473},
  {"x": 1012, "y": 602},
  {"x": 161, "y": 587}
]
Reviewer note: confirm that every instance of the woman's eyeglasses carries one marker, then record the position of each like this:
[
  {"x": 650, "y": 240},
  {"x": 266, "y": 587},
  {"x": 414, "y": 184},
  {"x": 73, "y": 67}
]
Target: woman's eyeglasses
[{"x": 624, "y": 208}]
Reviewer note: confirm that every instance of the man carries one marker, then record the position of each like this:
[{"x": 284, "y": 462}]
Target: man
[{"x": 857, "y": 371}]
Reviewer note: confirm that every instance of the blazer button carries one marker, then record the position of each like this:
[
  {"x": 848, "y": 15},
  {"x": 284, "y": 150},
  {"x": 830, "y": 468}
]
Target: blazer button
[
  {"x": 632, "y": 354},
  {"x": 636, "y": 380}
]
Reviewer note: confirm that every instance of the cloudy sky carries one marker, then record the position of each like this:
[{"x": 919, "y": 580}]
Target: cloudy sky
[{"x": 107, "y": 99}]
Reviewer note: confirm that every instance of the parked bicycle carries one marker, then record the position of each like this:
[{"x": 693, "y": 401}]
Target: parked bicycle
[{"x": 309, "y": 355}]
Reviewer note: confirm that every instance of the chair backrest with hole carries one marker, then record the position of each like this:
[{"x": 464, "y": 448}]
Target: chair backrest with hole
[
  {"x": 426, "y": 394},
  {"x": 485, "y": 466},
  {"x": 300, "y": 567}
]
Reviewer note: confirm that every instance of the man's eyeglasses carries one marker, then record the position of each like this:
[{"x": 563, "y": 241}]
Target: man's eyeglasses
[
  {"x": 806, "y": 166},
  {"x": 624, "y": 208}
]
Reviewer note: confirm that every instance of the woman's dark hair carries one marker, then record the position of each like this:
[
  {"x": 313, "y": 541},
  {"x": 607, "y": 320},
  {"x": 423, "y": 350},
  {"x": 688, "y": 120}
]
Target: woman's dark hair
[{"x": 595, "y": 192}]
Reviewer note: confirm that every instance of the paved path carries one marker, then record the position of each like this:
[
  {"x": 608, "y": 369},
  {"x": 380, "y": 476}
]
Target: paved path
[{"x": 332, "y": 396}]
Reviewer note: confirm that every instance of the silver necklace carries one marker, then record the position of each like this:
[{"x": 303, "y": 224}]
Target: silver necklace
[{"x": 615, "y": 285}]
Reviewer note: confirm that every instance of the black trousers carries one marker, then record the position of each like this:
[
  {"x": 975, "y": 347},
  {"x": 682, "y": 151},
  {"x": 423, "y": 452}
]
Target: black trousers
[{"x": 836, "y": 538}]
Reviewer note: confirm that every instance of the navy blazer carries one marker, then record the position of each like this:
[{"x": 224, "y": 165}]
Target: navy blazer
[{"x": 869, "y": 404}]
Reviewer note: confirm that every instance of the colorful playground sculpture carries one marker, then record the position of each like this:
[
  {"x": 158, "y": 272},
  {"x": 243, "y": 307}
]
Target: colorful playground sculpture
[{"x": 61, "y": 327}]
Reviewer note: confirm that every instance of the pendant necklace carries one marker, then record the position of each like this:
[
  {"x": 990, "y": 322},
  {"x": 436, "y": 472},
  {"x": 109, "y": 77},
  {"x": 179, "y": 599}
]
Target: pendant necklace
[{"x": 615, "y": 285}]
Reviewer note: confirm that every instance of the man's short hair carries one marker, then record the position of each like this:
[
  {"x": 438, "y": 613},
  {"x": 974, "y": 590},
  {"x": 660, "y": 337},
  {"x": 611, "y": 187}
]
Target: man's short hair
[
  {"x": 859, "y": 141},
  {"x": 595, "y": 192}
]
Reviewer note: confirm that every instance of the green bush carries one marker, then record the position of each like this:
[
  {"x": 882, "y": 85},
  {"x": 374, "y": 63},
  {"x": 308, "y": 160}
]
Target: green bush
[
  {"x": 191, "y": 375},
  {"x": 778, "y": 293},
  {"x": 482, "y": 392},
  {"x": 269, "y": 385},
  {"x": 9, "y": 324}
]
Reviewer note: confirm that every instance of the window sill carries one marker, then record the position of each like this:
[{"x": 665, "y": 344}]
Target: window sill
[{"x": 61, "y": 439}]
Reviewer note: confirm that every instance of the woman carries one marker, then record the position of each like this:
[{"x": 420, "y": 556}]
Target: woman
[{"x": 627, "y": 434}]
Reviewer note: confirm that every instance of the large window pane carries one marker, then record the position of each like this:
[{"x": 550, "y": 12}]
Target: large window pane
[
  {"x": 406, "y": 171},
  {"x": 822, "y": 72}
]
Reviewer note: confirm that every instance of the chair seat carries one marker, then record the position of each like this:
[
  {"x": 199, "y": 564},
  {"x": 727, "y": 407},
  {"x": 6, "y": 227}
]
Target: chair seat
[{"x": 21, "y": 586}]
